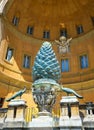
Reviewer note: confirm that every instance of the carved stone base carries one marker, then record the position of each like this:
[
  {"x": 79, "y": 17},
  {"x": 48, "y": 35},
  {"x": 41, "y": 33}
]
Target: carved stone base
[
  {"x": 70, "y": 118},
  {"x": 88, "y": 121},
  {"x": 14, "y": 124},
  {"x": 44, "y": 95},
  {"x": 44, "y": 120},
  {"x": 73, "y": 122},
  {"x": 15, "y": 114}
]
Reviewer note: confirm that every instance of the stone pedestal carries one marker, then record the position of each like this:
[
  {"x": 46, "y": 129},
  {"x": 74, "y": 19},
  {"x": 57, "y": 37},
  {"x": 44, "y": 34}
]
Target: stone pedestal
[
  {"x": 70, "y": 114},
  {"x": 88, "y": 121},
  {"x": 16, "y": 114},
  {"x": 44, "y": 120},
  {"x": 2, "y": 117}
]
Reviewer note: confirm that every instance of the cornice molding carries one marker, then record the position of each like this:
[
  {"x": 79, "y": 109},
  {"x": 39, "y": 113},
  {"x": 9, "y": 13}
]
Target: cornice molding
[{"x": 78, "y": 74}]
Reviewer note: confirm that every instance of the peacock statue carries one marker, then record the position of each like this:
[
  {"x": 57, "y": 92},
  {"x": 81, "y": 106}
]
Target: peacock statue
[
  {"x": 71, "y": 91},
  {"x": 17, "y": 94}
]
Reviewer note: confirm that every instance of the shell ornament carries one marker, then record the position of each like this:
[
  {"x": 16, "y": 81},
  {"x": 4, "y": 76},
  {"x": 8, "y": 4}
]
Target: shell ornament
[{"x": 46, "y": 66}]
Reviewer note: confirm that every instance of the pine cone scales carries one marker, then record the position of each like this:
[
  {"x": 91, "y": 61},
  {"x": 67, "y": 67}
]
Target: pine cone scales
[{"x": 46, "y": 64}]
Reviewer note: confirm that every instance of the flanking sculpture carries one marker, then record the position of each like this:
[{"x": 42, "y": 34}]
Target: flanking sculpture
[
  {"x": 71, "y": 91},
  {"x": 17, "y": 94},
  {"x": 16, "y": 111}
]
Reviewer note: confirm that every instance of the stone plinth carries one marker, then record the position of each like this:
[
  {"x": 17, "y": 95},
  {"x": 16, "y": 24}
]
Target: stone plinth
[
  {"x": 44, "y": 120},
  {"x": 2, "y": 117},
  {"x": 88, "y": 121},
  {"x": 70, "y": 114},
  {"x": 15, "y": 114},
  {"x": 2, "y": 122}
]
